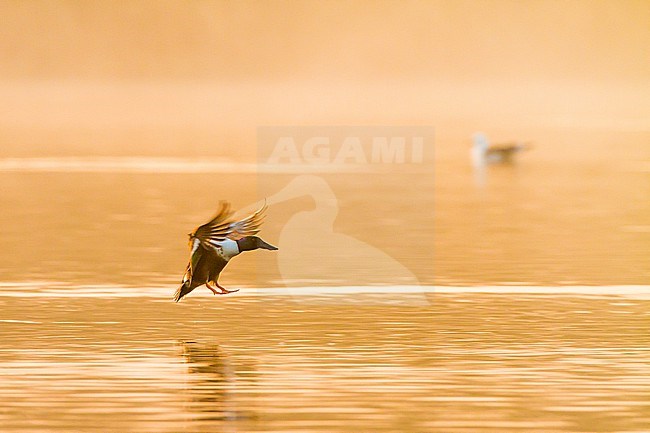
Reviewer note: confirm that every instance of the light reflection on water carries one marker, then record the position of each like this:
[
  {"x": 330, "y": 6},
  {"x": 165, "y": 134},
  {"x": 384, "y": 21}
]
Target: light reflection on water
[
  {"x": 542, "y": 222},
  {"x": 92, "y": 343},
  {"x": 466, "y": 362}
]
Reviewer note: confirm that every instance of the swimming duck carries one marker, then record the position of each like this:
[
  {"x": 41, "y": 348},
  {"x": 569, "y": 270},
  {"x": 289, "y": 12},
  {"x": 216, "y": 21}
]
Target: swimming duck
[
  {"x": 483, "y": 153},
  {"x": 213, "y": 244}
]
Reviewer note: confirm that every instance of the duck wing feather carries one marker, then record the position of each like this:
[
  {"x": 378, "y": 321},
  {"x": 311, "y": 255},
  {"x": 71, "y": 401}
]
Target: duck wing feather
[{"x": 248, "y": 226}]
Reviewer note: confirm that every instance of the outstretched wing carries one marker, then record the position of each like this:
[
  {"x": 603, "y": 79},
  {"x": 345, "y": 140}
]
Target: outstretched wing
[
  {"x": 195, "y": 256},
  {"x": 215, "y": 230},
  {"x": 184, "y": 288},
  {"x": 219, "y": 228},
  {"x": 249, "y": 226}
]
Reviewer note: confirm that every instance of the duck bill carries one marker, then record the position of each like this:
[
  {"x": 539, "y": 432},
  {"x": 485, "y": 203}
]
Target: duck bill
[{"x": 265, "y": 246}]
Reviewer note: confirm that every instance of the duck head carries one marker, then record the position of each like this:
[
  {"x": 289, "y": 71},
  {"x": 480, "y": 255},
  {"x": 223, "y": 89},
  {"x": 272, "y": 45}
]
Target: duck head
[
  {"x": 480, "y": 141},
  {"x": 479, "y": 148},
  {"x": 250, "y": 243}
]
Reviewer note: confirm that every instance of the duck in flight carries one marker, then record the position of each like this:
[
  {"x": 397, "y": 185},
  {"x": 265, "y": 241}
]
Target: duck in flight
[
  {"x": 484, "y": 153},
  {"x": 213, "y": 244}
]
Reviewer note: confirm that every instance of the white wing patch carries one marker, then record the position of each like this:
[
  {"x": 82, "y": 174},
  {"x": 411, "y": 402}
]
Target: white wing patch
[{"x": 195, "y": 245}]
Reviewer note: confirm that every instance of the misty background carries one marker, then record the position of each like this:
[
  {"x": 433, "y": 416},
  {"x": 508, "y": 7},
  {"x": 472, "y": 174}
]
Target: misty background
[
  {"x": 196, "y": 78},
  {"x": 193, "y": 82}
]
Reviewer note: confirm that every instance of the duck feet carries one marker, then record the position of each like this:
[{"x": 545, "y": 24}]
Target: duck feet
[
  {"x": 214, "y": 292},
  {"x": 223, "y": 290}
]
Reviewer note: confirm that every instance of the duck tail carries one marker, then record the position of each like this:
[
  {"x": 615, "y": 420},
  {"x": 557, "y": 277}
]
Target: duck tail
[
  {"x": 525, "y": 145},
  {"x": 183, "y": 290},
  {"x": 177, "y": 294}
]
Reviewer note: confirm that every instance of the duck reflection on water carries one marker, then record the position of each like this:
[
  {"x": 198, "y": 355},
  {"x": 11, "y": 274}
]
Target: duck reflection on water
[{"x": 212, "y": 378}]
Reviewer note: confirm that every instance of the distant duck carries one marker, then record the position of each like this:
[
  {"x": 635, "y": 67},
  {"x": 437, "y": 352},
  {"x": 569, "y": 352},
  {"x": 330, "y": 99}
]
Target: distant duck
[
  {"x": 213, "y": 244},
  {"x": 483, "y": 153}
]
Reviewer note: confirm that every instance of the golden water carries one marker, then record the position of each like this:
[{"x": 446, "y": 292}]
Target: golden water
[
  {"x": 344, "y": 363},
  {"x": 89, "y": 258}
]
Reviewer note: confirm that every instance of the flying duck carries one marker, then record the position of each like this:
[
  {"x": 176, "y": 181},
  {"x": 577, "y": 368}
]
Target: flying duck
[
  {"x": 483, "y": 153},
  {"x": 213, "y": 244}
]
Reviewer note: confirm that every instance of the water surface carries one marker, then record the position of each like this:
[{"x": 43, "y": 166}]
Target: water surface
[
  {"x": 91, "y": 250},
  {"x": 494, "y": 362}
]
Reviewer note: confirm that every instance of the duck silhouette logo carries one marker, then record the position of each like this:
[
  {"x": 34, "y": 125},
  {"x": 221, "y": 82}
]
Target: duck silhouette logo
[{"x": 312, "y": 252}]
